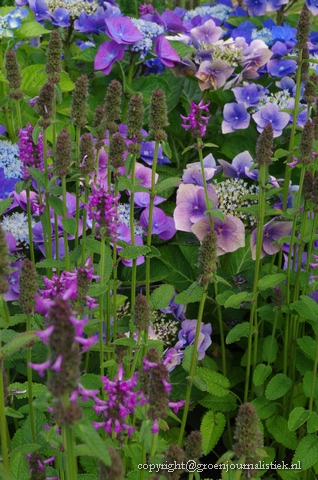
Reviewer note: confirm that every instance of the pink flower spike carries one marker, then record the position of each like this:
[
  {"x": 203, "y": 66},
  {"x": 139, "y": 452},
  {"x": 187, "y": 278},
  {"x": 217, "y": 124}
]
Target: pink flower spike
[
  {"x": 44, "y": 335},
  {"x": 40, "y": 367},
  {"x": 168, "y": 386},
  {"x": 86, "y": 342},
  {"x": 176, "y": 405}
]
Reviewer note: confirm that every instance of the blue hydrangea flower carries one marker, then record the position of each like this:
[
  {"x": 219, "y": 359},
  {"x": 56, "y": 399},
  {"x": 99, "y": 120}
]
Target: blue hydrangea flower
[
  {"x": 265, "y": 34},
  {"x": 11, "y": 21},
  {"x": 150, "y": 31},
  {"x": 220, "y": 11},
  {"x": 9, "y": 159}
]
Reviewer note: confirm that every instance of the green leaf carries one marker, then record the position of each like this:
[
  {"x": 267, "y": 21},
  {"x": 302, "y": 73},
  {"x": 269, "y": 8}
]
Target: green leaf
[
  {"x": 20, "y": 340},
  {"x": 270, "y": 281},
  {"x": 92, "y": 244},
  {"x": 236, "y": 333},
  {"x": 124, "y": 183},
  {"x": 34, "y": 77},
  {"x": 126, "y": 342},
  {"x": 181, "y": 273},
  {"x": 57, "y": 205},
  {"x": 222, "y": 404},
  {"x": 235, "y": 301},
  {"x": 161, "y": 296},
  {"x": 216, "y": 382},
  {"x": 4, "y": 204},
  {"x": 190, "y": 295},
  {"x": 307, "y": 385},
  {"x": 167, "y": 183},
  {"x": 260, "y": 374},
  {"x": 199, "y": 383},
  {"x": 186, "y": 362},
  {"x": 190, "y": 147},
  {"x": 21, "y": 390},
  {"x": 312, "y": 423},
  {"x": 278, "y": 386},
  {"x": 307, "y": 452},
  {"x": 130, "y": 253},
  {"x": 50, "y": 264},
  {"x": 297, "y": 417},
  {"x": 91, "y": 438},
  {"x": 38, "y": 176},
  {"x": 270, "y": 349},
  {"x": 10, "y": 412},
  {"x": 306, "y": 307},
  {"x": 19, "y": 467},
  {"x": 166, "y": 149},
  {"x": 30, "y": 29},
  {"x": 212, "y": 427},
  {"x": 69, "y": 224},
  {"x": 278, "y": 427},
  {"x": 264, "y": 407},
  {"x": 181, "y": 48},
  {"x": 308, "y": 346}
]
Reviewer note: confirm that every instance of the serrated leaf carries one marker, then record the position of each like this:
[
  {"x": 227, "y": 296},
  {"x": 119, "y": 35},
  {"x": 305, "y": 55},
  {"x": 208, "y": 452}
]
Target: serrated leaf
[
  {"x": 70, "y": 225},
  {"x": 124, "y": 183},
  {"x": 270, "y": 349},
  {"x": 167, "y": 183},
  {"x": 236, "y": 333},
  {"x": 308, "y": 346},
  {"x": 57, "y": 205},
  {"x": 126, "y": 342},
  {"x": 21, "y": 390},
  {"x": 10, "y": 412},
  {"x": 19, "y": 341},
  {"x": 50, "y": 264},
  {"x": 91, "y": 438},
  {"x": 19, "y": 467},
  {"x": 190, "y": 147},
  {"x": 30, "y": 29},
  {"x": 306, "y": 307},
  {"x": 308, "y": 381},
  {"x": 92, "y": 244},
  {"x": 186, "y": 361},
  {"x": 234, "y": 301},
  {"x": 161, "y": 296},
  {"x": 199, "y": 383},
  {"x": 212, "y": 427},
  {"x": 5, "y": 204},
  {"x": 297, "y": 417},
  {"x": 190, "y": 295},
  {"x": 260, "y": 374},
  {"x": 38, "y": 176},
  {"x": 270, "y": 281},
  {"x": 278, "y": 427},
  {"x": 166, "y": 149},
  {"x": 307, "y": 452},
  {"x": 312, "y": 423},
  {"x": 264, "y": 407},
  {"x": 181, "y": 48},
  {"x": 221, "y": 404},
  {"x": 216, "y": 382},
  {"x": 278, "y": 386},
  {"x": 131, "y": 253}
]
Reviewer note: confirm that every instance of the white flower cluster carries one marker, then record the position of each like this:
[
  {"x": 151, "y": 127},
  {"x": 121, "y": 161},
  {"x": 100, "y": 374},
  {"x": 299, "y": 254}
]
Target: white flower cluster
[
  {"x": 17, "y": 224},
  {"x": 150, "y": 31},
  {"x": 124, "y": 217},
  {"x": 9, "y": 159},
  {"x": 280, "y": 99},
  {"x": 75, "y": 7},
  {"x": 230, "y": 194},
  {"x": 264, "y": 34},
  {"x": 166, "y": 329},
  {"x": 220, "y": 11}
]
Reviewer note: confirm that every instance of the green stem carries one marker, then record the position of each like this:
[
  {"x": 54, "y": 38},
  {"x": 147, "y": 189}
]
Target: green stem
[
  {"x": 67, "y": 258},
  {"x": 85, "y": 219},
  {"x": 151, "y": 205},
  {"x": 101, "y": 306},
  {"x": 253, "y": 315},
  {"x": 29, "y": 213},
  {"x": 314, "y": 380},
  {"x": 3, "y": 419},
  {"x": 154, "y": 444},
  {"x": 132, "y": 232},
  {"x": 128, "y": 82},
  {"x": 48, "y": 236},
  {"x": 206, "y": 193},
  {"x": 78, "y": 139},
  {"x": 192, "y": 365},
  {"x": 273, "y": 336},
  {"x": 68, "y": 440},
  {"x": 3, "y": 94},
  {"x": 18, "y": 109},
  {"x": 30, "y": 395}
]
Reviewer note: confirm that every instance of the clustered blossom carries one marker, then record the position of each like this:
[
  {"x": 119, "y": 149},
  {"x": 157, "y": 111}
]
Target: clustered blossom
[
  {"x": 231, "y": 194},
  {"x": 122, "y": 400},
  {"x": 30, "y": 153},
  {"x": 11, "y": 21},
  {"x": 149, "y": 31},
  {"x": 9, "y": 159},
  {"x": 17, "y": 224},
  {"x": 102, "y": 207},
  {"x": 197, "y": 122}
]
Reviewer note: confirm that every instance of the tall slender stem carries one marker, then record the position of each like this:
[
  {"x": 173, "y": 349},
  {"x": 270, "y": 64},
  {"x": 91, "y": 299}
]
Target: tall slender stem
[{"x": 30, "y": 395}]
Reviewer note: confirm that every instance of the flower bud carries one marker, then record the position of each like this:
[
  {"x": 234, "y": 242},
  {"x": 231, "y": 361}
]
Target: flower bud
[
  {"x": 79, "y": 102},
  {"x": 53, "y": 66},
  {"x": 158, "y": 117},
  {"x": 115, "y": 471},
  {"x": 310, "y": 93},
  {"x": 306, "y": 144},
  {"x": 174, "y": 456},
  {"x": 278, "y": 298},
  {"x": 135, "y": 116},
  {"x": 63, "y": 153},
  {"x": 193, "y": 446},
  {"x": 13, "y": 74},
  {"x": 117, "y": 148},
  {"x": 264, "y": 146},
  {"x": 308, "y": 185},
  {"x": 141, "y": 313},
  {"x": 28, "y": 286},
  {"x": 44, "y": 104},
  {"x": 36, "y": 464},
  {"x": 303, "y": 28},
  {"x": 112, "y": 105},
  {"x": 4, "y": 263},
  {"x": 87, "y": 155},
  {"x": 207, "y": 258}
]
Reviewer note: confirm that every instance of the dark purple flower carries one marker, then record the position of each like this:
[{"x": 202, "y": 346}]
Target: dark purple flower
[
  {"x": 281, "y": 68},
  {"x": 31, "y": 154},
  {"x": 147, "y": 153},
  {"x": 197, "y": 122},
  {"x": 145, "y": 9},
  {"x": 122, "y": 30},
  {"x": 154, "y": 65},
  {"x": 6, "y": 185},
  {"x": 13, "y": 281},
  {"x": 235, "y": 117},
  {"x": 271, "y": 114},
  {"x": 162, "y": 225},
  {"x": 3, "y": 129},
  {"x": 187, "y": 335},
  {"x": 256, "y": 8},
  {"x": 250, "y": 94},
  {"x": 108, "y": 53},
  {"x": 164, "y": 51},
  {"x": 237, "y": 169},
  {"x": 102, "y": 207},
  {"x": 272, "y": 232}
]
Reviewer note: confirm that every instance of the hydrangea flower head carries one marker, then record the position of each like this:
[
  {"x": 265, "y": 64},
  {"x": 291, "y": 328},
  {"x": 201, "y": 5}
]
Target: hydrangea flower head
[
  {"x": 271, "y": 114},
  {"x": 122, "y": 30},
  {"x": 235, "y": 117},
  {"x": 108, "y": 53},
  {"x": 9, "y": 159}
]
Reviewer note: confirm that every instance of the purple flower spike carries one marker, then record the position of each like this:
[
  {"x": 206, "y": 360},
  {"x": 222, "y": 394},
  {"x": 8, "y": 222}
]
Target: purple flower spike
[
  {"x": 122, "y": 30},
  {"x": 271, "y": 114},
  {"x": 108, "y": 53},
  {"x": 40, "y": 367},
  {"x": 165, "y": 52},
  {"x": 237, "y": 169},
  {"x": 272, "y": 232},
  {"x": 197, "y": 122},
  {"x": 235, "y": 117}
]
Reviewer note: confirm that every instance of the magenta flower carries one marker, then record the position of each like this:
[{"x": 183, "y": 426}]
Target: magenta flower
[
  {"x": 191, "y": 205},
  {"x": 108, "y": 53},
  {"x": 122, "y": 30},
  {"x": 230, "y": 233},
  {"x": 235, "y": 117},
  {"x": 272, "y": 232},
  {"x": 165, "y": 52},
  {"x": 197, "y": 122},
  {"x": 31, "y": 154},
  {"x": 271, "y": 114}
]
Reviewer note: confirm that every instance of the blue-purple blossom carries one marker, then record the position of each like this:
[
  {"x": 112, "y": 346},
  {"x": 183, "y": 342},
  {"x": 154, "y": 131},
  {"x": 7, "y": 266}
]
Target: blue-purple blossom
[
  {"x": 312, "y": 6},
  {"x": 235, "y": 117},
  {"x": 230, "y": 233},
  {"x": 162, "y": 225},
  {"x": 272, "y": 232},
  {"x": 207, "y": 33},
  {"x": 281, "y": 68},
  {"x": 147, "y": 152},
  {"x": 164, "y": 51},
  {"x": 256, "y": 8},
  {"x": 271, "y": 114},
  {"x": 193, "y": 172},
  {"x": 250, "y": 94},
  {"x": 187, "y": 335},
  {"x": 237, "y": 169},
  {"x": 122, "y": 30},
  {"x": 108, "y": 53},
  {"x": 61, "y": 17}
]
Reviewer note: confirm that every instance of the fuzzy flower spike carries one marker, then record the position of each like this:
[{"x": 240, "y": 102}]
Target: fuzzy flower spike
[{"x": 197, "y": 122}]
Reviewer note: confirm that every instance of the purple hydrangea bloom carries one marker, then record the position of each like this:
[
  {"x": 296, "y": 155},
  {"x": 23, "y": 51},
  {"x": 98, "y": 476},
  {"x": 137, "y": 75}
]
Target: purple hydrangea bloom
[
  {"x": 13, "y": 281},
  {"x": 147, "y": 153},
  {"x": 256, "y": 8},
  {"x": 230, "y": 233},
  {"x": 108, "y": 53},
  {"x": 272, "y": 232},
  {"x": 281, "y": 68},
  {"x": 40, "y": 10},
  {"x": 213, "y": 74},
  {"x": 6, "y": 185},
  {"x": 249, "y": 95},
  {"x": 122, "y": 30},
  {"x": 154, "y": 65},
  {"x": 61, "y": 17},
  {"x": 164, "y": 51},
  {"x": 312, "y": 6},
  {"x": 207, "y": 33},
  {"x": 162, "y": 225},
  {"x": 237, "y": 169},
  {"x": 187, "y": 335},
  {"x": 193, "y": 172},
  {"x": 271, "y": 114},
  {"x": 235, "y": 117}
]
